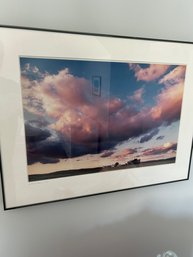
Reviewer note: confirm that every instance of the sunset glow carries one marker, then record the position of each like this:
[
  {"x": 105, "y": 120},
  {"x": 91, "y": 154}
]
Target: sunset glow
[{"x": 136, "y": 116}]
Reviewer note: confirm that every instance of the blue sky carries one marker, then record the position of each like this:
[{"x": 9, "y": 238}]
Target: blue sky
[
  {"x": 136, "y": 111},
  {"x": 121, "y": 79}
]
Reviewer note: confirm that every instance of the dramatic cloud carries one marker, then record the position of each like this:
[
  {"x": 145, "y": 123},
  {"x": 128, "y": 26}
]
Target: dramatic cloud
[
  {"x": 55, "y": 93},
  {"x": 135, "y": 123},
  {"x": 42, "y": 145},
  {"x": 80, "y": 123},
  {"x": 153, "y": 72},
  {"x": 34, "y": 134},
  {"x": 46, "y": 145},
  {"x": 169, "y": 101},
  {"x": 167, "y": 147},
  {"x": 149, "y": 136}
]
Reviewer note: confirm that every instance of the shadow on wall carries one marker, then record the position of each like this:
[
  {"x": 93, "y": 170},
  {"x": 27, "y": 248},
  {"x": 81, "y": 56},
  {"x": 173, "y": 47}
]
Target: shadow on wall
[{"x": 142, "y": 235}]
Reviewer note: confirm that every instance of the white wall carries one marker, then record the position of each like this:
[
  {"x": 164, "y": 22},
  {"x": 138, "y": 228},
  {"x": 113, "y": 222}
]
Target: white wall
[{"x": 136, "y": 223}]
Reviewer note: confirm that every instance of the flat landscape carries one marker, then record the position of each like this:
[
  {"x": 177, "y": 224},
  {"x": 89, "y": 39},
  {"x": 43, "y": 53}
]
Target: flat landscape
[{"x": 76, "y": 172}]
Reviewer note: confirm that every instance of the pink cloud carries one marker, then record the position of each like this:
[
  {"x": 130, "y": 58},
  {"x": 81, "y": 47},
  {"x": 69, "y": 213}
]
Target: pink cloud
[
  {"x": 153, "y": 72},
  {"x": 138, "y": 95},
  {"x": 113, "y": 105},
  {"x": 77, "y": 127},
  {"x": 175, "y": 76},
  {"x": 169, "y": 103},
  {"x": 66, "y": 86},
  {"x": 88, "y": 123},
  {"x": 83, "y": 119},
  {"x": 126, "y": 154},
  {"x": 63, "y": 91},
  {"x": 163, "y": 149},
  {"x": 134, "y": 123},
  {"x": 56, "y": 93}
]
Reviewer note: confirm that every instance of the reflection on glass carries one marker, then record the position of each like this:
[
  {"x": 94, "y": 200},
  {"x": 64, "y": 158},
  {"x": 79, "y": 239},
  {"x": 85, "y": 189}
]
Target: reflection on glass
[{"x": 94, "y": 116}]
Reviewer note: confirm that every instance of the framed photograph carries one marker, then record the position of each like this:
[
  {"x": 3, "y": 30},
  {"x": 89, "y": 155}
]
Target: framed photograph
[{"x": 85, "y": 114}]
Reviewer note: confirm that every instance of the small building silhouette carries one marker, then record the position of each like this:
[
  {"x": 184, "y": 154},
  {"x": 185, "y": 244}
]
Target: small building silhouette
[
  {"x": 116, "y": 164},
  {"x": 136, "y": 161}
]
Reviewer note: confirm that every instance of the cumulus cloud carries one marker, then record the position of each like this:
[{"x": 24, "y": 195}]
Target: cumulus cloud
[
  {"x": 169, "y": 101},
  {"x": 32, "y": 72},
  {"x": 54, "y": 93},
  {"x": 85, "y": 124},
  {"x": 135, "y": 123},
  {"x": 153, "y": 72},
  {"x": 32, "y": 97}
]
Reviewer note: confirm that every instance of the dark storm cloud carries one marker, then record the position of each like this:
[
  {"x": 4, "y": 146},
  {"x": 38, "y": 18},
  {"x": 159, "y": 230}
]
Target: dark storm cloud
[
  {"x": 47, "y": 146},
  {"x": 40, "y": 147},
  {"x": 160, "y": 137},
  {"x": 149, "y": 136},
  {"x": 45, "y": 151},
  {"x": 44, "y": 160},
  {"x": 35, "y": 134}
]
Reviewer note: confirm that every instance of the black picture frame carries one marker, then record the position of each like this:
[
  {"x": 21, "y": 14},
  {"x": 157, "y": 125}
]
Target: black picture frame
[{"x": 18, "y": 43}]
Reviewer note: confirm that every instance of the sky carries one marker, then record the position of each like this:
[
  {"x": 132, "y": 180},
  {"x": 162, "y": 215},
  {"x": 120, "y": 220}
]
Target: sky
[{"x": 68, "y": 125}]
